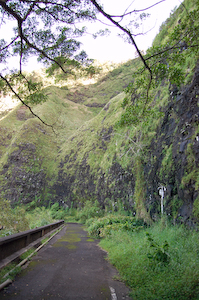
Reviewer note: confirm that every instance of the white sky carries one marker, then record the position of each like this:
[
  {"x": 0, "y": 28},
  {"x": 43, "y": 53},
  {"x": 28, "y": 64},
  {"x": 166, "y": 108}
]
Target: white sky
[{"x": 113, "y": 48}]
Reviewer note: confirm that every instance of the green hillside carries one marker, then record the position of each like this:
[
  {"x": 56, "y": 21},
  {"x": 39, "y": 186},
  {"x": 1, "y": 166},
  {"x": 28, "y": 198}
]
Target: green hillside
[{"x": 116, "y": 148}]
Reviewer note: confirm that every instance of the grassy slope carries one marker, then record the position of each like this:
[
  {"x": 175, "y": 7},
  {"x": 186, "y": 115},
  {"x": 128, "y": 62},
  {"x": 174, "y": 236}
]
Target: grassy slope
[
  {"x": 105, "y": 88},
  {"x": 99, "y": 131},
  {"x": 19, "y": 128},
  {"x": 84, "y": 131},
  {"x": 112, "y": 84},
  {"x": 69, "y": 118},
  {"x": 99, "y": 141}
]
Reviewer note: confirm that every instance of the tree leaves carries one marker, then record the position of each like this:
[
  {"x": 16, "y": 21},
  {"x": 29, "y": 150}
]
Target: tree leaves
[{"x": 36, "y": 34}]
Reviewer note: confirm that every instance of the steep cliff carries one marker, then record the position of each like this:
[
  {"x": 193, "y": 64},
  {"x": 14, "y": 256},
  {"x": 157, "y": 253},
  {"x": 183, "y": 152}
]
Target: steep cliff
[{"x": 149, "y": 168}]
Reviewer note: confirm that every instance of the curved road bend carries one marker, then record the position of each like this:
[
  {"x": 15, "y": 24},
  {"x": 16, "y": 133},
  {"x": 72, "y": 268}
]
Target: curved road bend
[{"x": 71, "y": 267}]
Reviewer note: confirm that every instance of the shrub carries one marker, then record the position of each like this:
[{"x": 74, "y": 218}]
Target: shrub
[
  {"x": 159, "y": 255},
  {"x": 90, "y": 210},
  {"x": 103, "y": 226},
  {"x": 57, "y": 212}
]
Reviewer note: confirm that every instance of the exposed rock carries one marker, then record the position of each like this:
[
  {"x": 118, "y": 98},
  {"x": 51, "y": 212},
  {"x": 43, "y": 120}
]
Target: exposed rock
[
  {"x": 176, "y": 133},
  {"x": 167, "y": 163},
  {"x": 23, "y": 179}
]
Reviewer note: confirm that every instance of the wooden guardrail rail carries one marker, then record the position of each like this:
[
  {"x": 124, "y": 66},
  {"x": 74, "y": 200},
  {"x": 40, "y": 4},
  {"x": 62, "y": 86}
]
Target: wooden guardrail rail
[{"x": 15, "y": 242}]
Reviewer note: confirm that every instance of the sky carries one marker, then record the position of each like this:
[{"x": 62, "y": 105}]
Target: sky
[{"x": 112, "y": 47}]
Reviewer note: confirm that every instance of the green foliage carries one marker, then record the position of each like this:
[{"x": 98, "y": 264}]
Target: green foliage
[
  {"x": 6, "y": 270},
  {"x": 26, "y": 87},
  {"x": 169, "y": 56},
  {"x": 170, "y": 60},
  {"x": 191, "y": 176},
  {"x": 14, "y": 272},
  {"x": 40, "y": 216},
  {"x": 26, "y": 254},
  {"x": 12, "y": 220},
  {"x": 74, "y": 69},
  {"x": 167, "y": 162},
  {"x": 175, "y": 204},
  {"x": 59, "y": 47},
  {"x": 192, "y": 173},
  {"x": 159, "y": 254},
  {"x": 101, "y": 227},
  {"x": 163, "y": 275},
  {"x": 89, "y": 210},
  {"x": 196, "y": 208},
  {"x": 22, "y": 218},
  {"x": 140, "y": 191},
  {"x": 57, "y": 212}
]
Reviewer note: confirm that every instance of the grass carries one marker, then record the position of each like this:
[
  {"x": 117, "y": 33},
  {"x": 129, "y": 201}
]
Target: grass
[
  {"x": 6, "y": 270},
  {"x": 129, "y": 251},
  {"x": 11, "y": 270},
  {"x": 138, "y": 251},
  {"x": 158, "y": 261},
  {"x": 27, "y": 253}
]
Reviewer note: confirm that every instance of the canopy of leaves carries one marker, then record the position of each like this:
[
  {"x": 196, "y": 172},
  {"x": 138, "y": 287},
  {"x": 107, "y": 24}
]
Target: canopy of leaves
[{"x": 47, "y": 29}]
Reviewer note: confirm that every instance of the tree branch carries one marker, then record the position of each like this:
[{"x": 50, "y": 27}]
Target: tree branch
[
  {"x": 124, "y": 30},
  {"x": 29, "y": 11},
  {"x": 20, "y": 21},
  {"x": 9, "y": 44},
  {"x": 137, "y": 10},
  {"x": 11, "y": 88},
  {"x": 131, "y": 39},
  {"x": 168, "y": 49}
]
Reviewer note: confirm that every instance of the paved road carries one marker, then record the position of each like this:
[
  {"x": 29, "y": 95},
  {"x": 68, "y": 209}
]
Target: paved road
[{"x": 72, "y": 267}]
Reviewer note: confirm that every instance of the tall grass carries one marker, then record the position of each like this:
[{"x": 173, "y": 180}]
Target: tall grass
[
  {"x": 27, "y": 217},
  {"x": 130, "y": 253}
]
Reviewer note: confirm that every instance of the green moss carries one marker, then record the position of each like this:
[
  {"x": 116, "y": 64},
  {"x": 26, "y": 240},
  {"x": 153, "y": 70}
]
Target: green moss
[
  {"x": 140, "y": 191},
  {"x": 167, "y": 162},
  {"x": 69, "y": 240}
]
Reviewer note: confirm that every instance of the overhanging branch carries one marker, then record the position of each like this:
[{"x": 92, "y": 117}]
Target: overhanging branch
[
  {"x": 136, "y": 10},
  {"x": 109, "y": 17},
  {"x": 15, "y": 93}
]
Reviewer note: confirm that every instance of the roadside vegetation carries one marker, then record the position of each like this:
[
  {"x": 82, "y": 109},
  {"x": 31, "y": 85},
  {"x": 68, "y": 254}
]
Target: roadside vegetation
[
  {"x": 22, "y": 218},
  {"x": 157, "y": 261}
]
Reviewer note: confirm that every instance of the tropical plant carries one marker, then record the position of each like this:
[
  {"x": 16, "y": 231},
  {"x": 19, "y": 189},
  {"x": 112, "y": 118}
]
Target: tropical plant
[{"x": 159, "y": 255}]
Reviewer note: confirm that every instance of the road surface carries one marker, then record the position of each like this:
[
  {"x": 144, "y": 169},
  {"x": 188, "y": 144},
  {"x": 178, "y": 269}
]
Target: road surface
[{"x": 72, "y": 267}]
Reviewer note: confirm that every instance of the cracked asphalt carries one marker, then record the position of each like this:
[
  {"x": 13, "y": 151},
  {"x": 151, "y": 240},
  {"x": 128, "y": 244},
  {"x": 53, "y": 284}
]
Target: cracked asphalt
[{"x": 72, "y": 267}]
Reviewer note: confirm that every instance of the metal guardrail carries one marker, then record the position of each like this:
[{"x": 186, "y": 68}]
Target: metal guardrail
[{"x": 15, "y": 242}]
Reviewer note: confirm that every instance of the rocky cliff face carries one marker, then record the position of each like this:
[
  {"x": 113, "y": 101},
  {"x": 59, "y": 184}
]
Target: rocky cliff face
[
  {"x": 171, "y": 163},
  {"x": 92, "y": 163},
  {"x": 23, "y": 179},
  {"x": 174, "y": 155}
]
